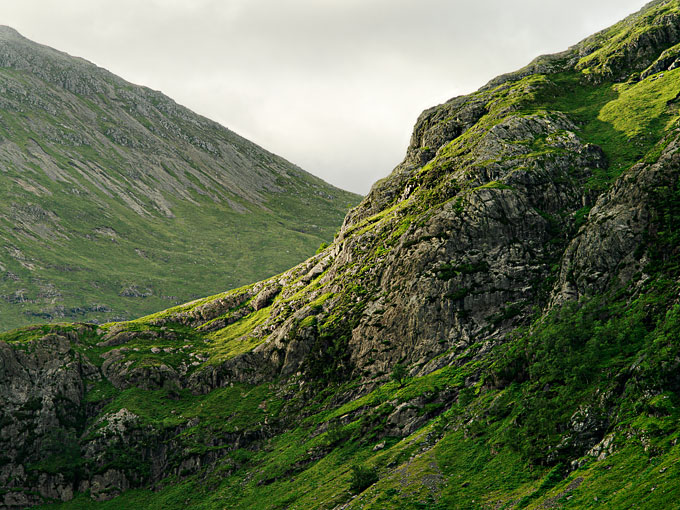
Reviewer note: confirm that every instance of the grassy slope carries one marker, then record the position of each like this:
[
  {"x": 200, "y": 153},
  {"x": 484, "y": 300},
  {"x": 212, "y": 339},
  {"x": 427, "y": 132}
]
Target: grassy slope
[
  {"x": 60, "y": 267},
  {"x": 487, "y": 449}
]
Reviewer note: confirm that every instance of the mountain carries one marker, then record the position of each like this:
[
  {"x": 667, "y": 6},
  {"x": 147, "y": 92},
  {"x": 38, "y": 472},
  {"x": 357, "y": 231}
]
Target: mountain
[
  {"x": 496, "y": 325},
  {"x": 116, "y": 202}
]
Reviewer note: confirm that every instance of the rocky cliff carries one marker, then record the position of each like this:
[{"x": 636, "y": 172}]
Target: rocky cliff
[
  {"x": 94, "y": 169},
  {"x": 496, "y": 325}
]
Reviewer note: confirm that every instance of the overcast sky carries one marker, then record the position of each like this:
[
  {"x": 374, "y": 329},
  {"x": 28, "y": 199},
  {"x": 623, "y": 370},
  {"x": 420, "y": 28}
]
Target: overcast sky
[{"x": 334, "y": 86}]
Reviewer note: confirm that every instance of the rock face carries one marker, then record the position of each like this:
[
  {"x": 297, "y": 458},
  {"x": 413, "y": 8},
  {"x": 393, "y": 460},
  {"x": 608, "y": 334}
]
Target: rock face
[
  {"x": 514, "y": 210},
  {"x": 42, "y": 396},
  {"x": 610, "y": 252},
  {"x": 91, "y": 165},
  {"x": 430, "y": 278}
]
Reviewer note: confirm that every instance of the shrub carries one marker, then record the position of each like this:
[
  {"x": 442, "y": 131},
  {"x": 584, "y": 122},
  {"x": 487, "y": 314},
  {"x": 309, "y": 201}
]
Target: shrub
[
  {"x": 399, "y": 374},
  {"x": 362, "y": 478},
  {"x": 336, "y": 433}
]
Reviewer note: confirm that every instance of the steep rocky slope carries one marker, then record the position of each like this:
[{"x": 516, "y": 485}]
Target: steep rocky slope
[
  {"x": 496, "y": 325},
  {"x": 95, "y": 170}
]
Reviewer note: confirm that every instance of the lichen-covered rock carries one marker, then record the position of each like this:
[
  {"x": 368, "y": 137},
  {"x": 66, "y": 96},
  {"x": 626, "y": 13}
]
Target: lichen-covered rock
[
  {"x": 609, "y": 251},
  {"x": 466, "y": 269},
  {"x": 41, "y": 412}
]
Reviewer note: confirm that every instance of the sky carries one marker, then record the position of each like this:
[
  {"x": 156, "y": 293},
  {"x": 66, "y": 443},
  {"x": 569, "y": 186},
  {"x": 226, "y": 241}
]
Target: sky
[{"x": 334, "y": 86}]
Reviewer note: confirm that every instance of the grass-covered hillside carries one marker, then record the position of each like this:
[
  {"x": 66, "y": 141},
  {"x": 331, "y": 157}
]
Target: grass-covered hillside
[
  {"x": 496, "y": 326},
  {"x": 116, "y": 202}
]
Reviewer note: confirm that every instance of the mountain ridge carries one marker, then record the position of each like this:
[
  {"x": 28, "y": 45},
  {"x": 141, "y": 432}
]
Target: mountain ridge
[{"x": 90, "y": 161}]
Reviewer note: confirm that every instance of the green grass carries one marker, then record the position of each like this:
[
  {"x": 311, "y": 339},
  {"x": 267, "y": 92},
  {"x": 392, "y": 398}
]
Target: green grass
[
  {"x": 235, "y": 338},
  {"x": 223, "y": 410},
  {"x": 643, "y": 108}
]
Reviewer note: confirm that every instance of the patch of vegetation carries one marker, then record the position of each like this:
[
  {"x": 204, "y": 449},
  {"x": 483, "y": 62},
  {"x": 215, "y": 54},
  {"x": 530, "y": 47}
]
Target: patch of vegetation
[
  {"x": 236, "y": 338},
  {"x": 362, "y": 478},
  {"x": 447, "y": 271},
  {"x": 399, "y": 374}
]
